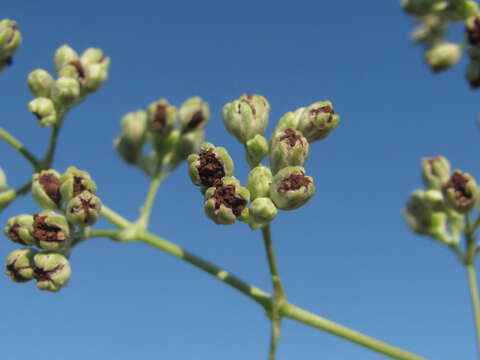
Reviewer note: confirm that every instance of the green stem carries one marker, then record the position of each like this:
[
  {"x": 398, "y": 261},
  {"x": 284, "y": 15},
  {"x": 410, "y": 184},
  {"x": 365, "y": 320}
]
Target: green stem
[
  {"x": 19, "y": 147},
  {"x": 150, "y": 199},
  {"x": 472, "y": 279},
  {"x": 8, "y": 196},
  {"x": 49, "y": 155},
  {"x": 114, "y": 218}
]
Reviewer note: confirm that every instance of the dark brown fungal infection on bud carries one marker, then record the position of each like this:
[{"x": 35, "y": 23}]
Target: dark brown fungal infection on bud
[
  {"x": 294, "y": 182},
  {"x": 15, "y": 272},
  {"x": 210, "y": 170},
  {"x": 327, "y": 109},
  {"x": 196, "y": 120},
  {"x": 44, "y": 232},
  {"x": 247, "y": 101},
  {"x": 225, "y": 195},
  {"x": 79, "y": 67},
  {"x": 14, "y": 235},
  {"x": 458, "y": 182},
  {"x": 51, "y": 185},
  {"x": 78, "y": 186},
  {"x": 159, "y": 118},
  {"x": 42, "y": 275},
  {"x": 87, "y": 206},
  {"x": 473, "y": 32},
  {"x": 290, "y": 137}
]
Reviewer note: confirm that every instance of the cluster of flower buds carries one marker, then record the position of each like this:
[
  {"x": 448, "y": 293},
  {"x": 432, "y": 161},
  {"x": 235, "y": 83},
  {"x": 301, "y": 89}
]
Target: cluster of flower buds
[
  {"x": 72, "y": 195},
  {"x": 284, "y": 184},
  {"x": 438, "y": 211},
  {"x": 78, "y": 76},
  {"x": 173, "y": 134},
  {"x": 10, "y": 40}
]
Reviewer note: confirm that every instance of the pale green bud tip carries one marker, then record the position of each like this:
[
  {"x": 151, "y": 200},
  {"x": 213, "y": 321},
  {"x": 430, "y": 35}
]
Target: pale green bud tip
[
  {"x": 44, "y": 109},
  {"x": 259, "y": 181},
  {"x": 19, "y": 229},
  {"x": 226, "y": 202},
  {"x": 10, "y": 39},
  {"x": 318, "y": 120},
  {"x": 263, "y": 210},
  {"x": 3, "y": 180},
  {"x": 435, "y": 172},
  {"x": 92, "y": 56},
  {"x": 51, "y": 231},
  {"x": 290, "y": 188},
  {"x": 74, "y": 182},
  {"x": 194, "y": 114},
  {"x": 40, "y": 82},
  {"x": 51, "y": 270},
  {"x": 461, "y": 192},
  {"x": 443, "y": 56},
  {"x": 210, "y": 165},
  {"x": 421, "y": 214},
  {"x": 65, "y": 91},
  {"x": 84, "y": 209},
  {"x": 134, "y": 127},
  {"x": 288, "y": 148},
  {"x": 290, "y": 120},
  {"x": 20, "y": 265},
  {"x": 257, "y": 149},
  {"x": 246, "y": 117},
  {"x": 161, "y": 116},
  {"x": 46, "y": 189},
  {"x": 64, "y": 56}
]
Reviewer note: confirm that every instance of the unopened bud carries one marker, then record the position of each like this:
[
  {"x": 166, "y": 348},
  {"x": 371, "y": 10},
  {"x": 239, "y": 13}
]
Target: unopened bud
[
  {"x": 259, "y": 181},
  {"x": 472, "y": 31},
  {"x": 134, "y": 126},
  {"x": 460, "y": 10},
  {"x": 461, "y": 192},
  {"x": 19, "y": 229},
  {"x": 210, "y": 165},
  {"x": 290, "y": 188},
  {"x": 194, "y": 114},
  {"x": 318, "y": 120},
  {"x": 44, "y": 109},
  {"x": 84, "y": 209},
  {"x": 246, "y": 117},
  {"x": 435, "y": 172},
  {"x": 422, "y": 7},
  {"x": 40, "y": 83},
  {"x": 65, "y": 91},
  {"x": 161, "y": 117},
  {"x": 51, "y": 270},
  {"x": 287, "y": 148},
  {"x": 96, "y": 75},
  {"x": 187, "y": 143},
  {"x": 91, "y": 56},
  {"x": 290, "y": 120},
  {"x": 443, "y": 56},
  {"x": 74, "y": 182},
  {"x": 127, "y": 151},
  {"x": 46, "y": 189},
  {"x": 263, "y": 210},
  {"x": 20, "y": 265},
  {"x": 50, "y": 230},
  {"x": 257, "y": 149},
  {"x": 10, "y": 39},
  {"x": 63, "y": 56}
]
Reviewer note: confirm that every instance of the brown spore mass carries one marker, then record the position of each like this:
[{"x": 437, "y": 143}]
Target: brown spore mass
[
  {"x": 210, "y": 170},
  {"x": 51, "y": 184},
  {"x": 458, "y": 183},
  {"x": 86, "y": 205},
  {"x": 43, "y": 275},
  {"x": 225, "y": 195},
  {"x": 197, "y": 119},
  {"x": 294, "y": 182},
  {"x": 13, "y": 234},
  {"x": 78, "y": 186},
  {"x": 159, "y": 118},
  {"x": 291, "y": 137},
  {"x": 45, "y": 232}
]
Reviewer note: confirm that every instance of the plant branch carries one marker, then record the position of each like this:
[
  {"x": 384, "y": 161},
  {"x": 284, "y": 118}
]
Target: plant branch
[
  {"x": 19, "y": 147},
  {"x": 50, "y": 153},
  {"x": 6, "y": 197},
  {"x": 472, "y": 280},
  {"x": 150, "y": 199}
]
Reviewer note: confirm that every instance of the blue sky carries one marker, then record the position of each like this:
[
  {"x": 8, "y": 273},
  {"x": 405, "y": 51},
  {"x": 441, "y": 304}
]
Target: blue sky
[{"x": 346, "y": 255}]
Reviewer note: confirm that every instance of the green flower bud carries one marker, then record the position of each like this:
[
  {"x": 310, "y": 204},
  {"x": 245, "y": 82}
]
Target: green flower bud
[
  {"x": 46, "y": 189},
  {"x": 473, "y": 74},
  {"x": 210, "y": 165},
  {"x": 3, "y": 181},
  {"x": 188, "y": 143},
  {"x": 63, "y": 56},
  {"x": 74, "y": 182},
  {"x": 318, "y": 120},
  {"x": 263, "y": 210},
  {"x": 460, "y": 10},
  {"x": 290, "y": 188},
  {"x": 65, "y": 91},
  {"x": 422, "y": 7},
  {"x": 443, "y": 56},
  {"x": 44, "y": 109},
  {"x": 84, "y": 209},
  {"x": 259, "y": 181},
  {"x": 40, "y": 82},
  {"x": 194, "y": 114},
  {"x": 19, "y": 229},
  {"x": 461, "y": 192},
  {"x": 226, "y": 202},
  {"x": 257, "y": 149},
  {"x": 290, "y": 120},
  {"x": 10, "y": 38},
  {"x": 51, "y": 270},
  {"x": 96, "y": 75},
  {"x": 50, "y": 230},
  {"x": 431, "y": 31},
  {"x": 161, "y": 117},
  {"x": 287, "y": 148},
  {"x": 91, "y": 56},
  {"x": 20, "y": 265},
  {"x": 127, "y": 151},
  {"x": 134, "y": 126},
  {"x": 435, "y": 172},
  {"x": 246, "y": 117}
]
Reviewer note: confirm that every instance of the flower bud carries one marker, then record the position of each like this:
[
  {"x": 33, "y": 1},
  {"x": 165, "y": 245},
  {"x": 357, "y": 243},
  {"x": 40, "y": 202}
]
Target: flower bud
[
  {"x": 423, "y": 219},
  {"x": 290, "y": 188},
  {"x": 257, "y": 149},
  {"x": 96, "y": 75},
  {"x": 290, "y": 120},
  {"x": 127, "y": 151},
  {"x": 46, "y": 189},
  {"x": 226, "y": 201},
  {"x": 461, "y": 192},
  {"x": 84, "y": 209},
  {"x": 194, "y": 114},
  {"x": 161, "y": 117},
  {"x": 40, "y": 82},
  {"x": 473, "y": 74},
  {"x": 19, "y": 229},
  {"x": 259, "y": 181},
  {"x": 287, "y": 148},
  {"x": 134, "y": 126},
  {"x": 263, "y": 210},
  {"x": 443, "y": 56},
  {"x": 65, "y": 91},
  {"x": 50, "y": 230},
  {"x": 435, "y": 172},
  {"x": 20, "y": 265},
  {"x": 318, "y": 120},
  {"x": 51, "y": 270},
  {"x": 246, "y": 117},
  {"x": 91, "y": 56},
  {"x": 10, "y": 38},
  {"x": 431, "y": 31},
  {"x": 460, "y": 10},
  {"x": 44, "y": 109},
  {"x": 63, "y": 56},
  {"x": 74, "y": 182},
  {"x": 188, "y": 143},
  {"x": 3, "y": 181},
  {"x": 421, "y": 7},
  {"x": 210, "y": 165}
]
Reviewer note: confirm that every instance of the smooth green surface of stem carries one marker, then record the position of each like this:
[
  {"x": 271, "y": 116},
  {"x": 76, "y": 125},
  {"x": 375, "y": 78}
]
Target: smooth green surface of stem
[
  {"x": 8, "y": 196},
  {"x": 472, "y": 280},
  {"x": 49, "y": 155},
  {"x": 272, "y": 262},
  {"x": 19, "y": 147},
  {"x": 150, "y": 199},
  {"x": 114, "y": 218}
]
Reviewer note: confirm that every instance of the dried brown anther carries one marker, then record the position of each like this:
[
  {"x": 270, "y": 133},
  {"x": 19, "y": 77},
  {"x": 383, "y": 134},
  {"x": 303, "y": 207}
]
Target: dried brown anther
[
  {"x": 14, "y": 236},
  {"x": 197, "y": 119},
  {"x": 291, "y": 137},
  {"x": 78, "y": 186},
  {"x": 225, "y": 195},
  {"x": 458, "y": 183},
  {"x": 51, "y": 185},
  {"x": 159, "y": 118},
  {"x": 294, "y": 182},
  {"x": 210, "y": 170},
  {"x": 47, "y": 233}
]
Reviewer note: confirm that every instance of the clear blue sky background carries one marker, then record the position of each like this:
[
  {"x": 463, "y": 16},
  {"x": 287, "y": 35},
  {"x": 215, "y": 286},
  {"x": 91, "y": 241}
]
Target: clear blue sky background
[{"x": 347, "y": 255}]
